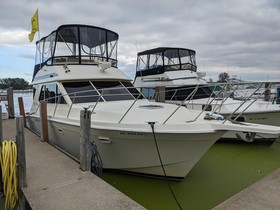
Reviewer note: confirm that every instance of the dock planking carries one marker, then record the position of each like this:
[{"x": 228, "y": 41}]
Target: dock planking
[{"x": 54, "y": 181}]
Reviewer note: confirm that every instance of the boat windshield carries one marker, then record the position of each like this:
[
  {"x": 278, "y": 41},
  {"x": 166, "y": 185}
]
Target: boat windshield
[
  {"x": 93, "y": 91},
  {"x": 77, "y": 44},
  {"x": 180, "y": 94},
  {"x": 159, "y": 60}
]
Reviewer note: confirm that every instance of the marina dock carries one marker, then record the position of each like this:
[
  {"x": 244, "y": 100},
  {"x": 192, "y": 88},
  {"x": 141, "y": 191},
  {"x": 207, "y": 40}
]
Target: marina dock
[
  {"x": 54, "y": 181},
  {"x": 264, "y": 194}
]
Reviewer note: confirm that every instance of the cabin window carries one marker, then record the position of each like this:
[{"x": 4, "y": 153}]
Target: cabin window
[
  {"x": 67, "y": 42},
  {"x": 207, "y": 108},
  {"x": 132, "y": 90},
  {"x": 51, "y": 94},
  {"x": 112, "y": 91},
  {"x": 48, "y": 48},
  {"x": 239, "y": 119},
  {"x": 149, "y": 93},
  {"x": 180, "y": 94},
  {"x": 81, "y": 92}
]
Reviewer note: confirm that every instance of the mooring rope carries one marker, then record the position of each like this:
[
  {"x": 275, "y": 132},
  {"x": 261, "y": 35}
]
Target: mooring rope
[
  {"x": 8, "y": 159},
  {"x": 96, "y": 161},
  {"x": 152, "y": 124}
]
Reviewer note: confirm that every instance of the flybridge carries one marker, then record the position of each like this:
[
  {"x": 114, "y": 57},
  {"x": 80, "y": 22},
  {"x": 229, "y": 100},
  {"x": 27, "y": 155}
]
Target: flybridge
[
  {"x": 162, "y": 59},
  {"x": 77, "y": 45}
]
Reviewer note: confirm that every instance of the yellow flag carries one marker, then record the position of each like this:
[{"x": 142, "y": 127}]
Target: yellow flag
[{"x": 35, "y": 25}]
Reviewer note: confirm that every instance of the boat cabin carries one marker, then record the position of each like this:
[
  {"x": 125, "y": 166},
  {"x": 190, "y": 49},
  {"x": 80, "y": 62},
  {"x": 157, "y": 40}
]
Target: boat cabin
[
  {"x": 163, "y": 59},
  {"x": 76, "y": 45},
  {"x": 169, "y": 70}
]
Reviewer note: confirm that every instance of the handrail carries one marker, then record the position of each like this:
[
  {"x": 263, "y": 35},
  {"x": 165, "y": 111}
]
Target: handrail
[
  {"x": 129, "y": 108},
  {"x": 100, "y": 94},
  {"x": 95, "y": 104},
  {"x": 205, "y": 106},
  {"x": 211, "y": 98},
  {"x": 194, "y": 91},
  {"x": 241, "y": 105},
  {"x": 252, "y": 102},
  {"x": 71, "y": 105},
  {"x": 224, "y": 100}
]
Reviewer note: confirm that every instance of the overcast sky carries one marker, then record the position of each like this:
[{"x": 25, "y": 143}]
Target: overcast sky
[{"x": 240, "y": 37}]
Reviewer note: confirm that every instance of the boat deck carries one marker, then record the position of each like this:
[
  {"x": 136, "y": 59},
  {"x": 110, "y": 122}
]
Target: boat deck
[{"x": 55, "y": 181}]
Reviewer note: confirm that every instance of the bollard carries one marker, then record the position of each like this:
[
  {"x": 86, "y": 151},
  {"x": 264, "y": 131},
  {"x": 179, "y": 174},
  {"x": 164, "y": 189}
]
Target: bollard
[
  {"x": 85, "y": 134},
  {"x": 22, "y": 181},
  {"x": 44, "y": 121}
]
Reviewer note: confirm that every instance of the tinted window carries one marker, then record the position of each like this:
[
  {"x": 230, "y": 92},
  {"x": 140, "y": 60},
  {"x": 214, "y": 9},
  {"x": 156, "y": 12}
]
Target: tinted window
[
  {"x": 112, "y": 91},
  {"x": 183, "y": 93},
  {"x": 149, "y": 93},
  {"x": 52, "y": 94},
  {"x": 132, "y": 90},
  {"x": 81, "y": 92}
]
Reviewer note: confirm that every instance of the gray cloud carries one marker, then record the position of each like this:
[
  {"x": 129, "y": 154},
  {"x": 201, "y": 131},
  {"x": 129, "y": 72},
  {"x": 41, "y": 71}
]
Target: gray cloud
[{"x": 227, "y": 35}]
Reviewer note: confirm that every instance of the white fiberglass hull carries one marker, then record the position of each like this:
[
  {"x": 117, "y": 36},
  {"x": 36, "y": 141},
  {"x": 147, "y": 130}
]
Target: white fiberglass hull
[
  {"x": 136, "y": 151},
  {"x": 259, "y": 113},
  {"x": 265, "y": 118}
]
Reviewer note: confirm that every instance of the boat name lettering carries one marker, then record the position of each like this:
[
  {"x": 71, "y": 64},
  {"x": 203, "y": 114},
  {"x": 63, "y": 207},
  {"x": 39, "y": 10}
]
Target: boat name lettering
[
  {"x": 131, "y": 133},
  {"x": 258, "y": 118}
]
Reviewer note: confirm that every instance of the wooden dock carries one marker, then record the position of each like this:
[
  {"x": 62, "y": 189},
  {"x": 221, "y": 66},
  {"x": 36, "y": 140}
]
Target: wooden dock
[{"x": 54, "y": 181}]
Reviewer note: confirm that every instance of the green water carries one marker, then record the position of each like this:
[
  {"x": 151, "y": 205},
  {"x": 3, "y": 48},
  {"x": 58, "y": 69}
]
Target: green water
[{"x": 222, "y": 172}]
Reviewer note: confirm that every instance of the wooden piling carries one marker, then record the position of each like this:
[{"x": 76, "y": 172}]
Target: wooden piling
[
  {"x": 267, "y": 92},
  {"x": 1, "y": 125},
  {"x": 85, "y": 134},
  {"x": 21, "y": 109},
  {"x": 22, "y": 181},
  {"x": 44, "y": 121},
  {"x": 10, "y": 97},
  {"x": 160, "y": 94}
]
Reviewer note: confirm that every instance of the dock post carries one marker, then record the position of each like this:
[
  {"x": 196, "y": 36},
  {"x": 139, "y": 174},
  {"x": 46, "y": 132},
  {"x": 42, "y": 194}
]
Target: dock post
[
  {"x": 85, "y": 134},
  {"x": 21, "y": 109},
  {"x": 1, "y": 125},
  {"x": 22, "y": 181},
  {"x": 10, "y": 97},
  {"x": 267, "y": 92},
  {"x": 160, "y": 94},
  {"x": 44, "y": 121}
]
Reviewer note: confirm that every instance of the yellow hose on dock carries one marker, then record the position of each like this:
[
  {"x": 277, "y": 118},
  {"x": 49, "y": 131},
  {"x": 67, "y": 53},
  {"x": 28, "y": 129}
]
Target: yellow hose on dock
[{"x": 8, "y": 160}]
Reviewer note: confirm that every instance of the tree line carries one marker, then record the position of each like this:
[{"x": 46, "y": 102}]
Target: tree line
[{"x": 15, "y": 83}]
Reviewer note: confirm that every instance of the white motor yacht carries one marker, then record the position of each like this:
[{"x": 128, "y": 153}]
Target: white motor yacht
[
  {"x": 76, "y": 69},
  {"x": 169, "y": 74}
]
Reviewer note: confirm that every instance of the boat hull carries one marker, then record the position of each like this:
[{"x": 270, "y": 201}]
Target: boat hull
[
  {"x": 135, "y": 151},
  {"x": 265, "y": 118},
  {"x": 258, "y": 115}
]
